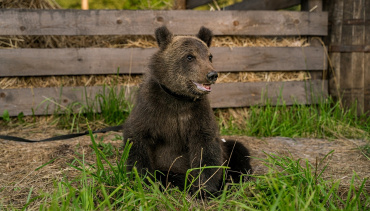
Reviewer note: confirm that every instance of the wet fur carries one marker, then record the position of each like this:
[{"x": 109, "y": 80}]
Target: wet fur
[{"x": 172, "y": 126}]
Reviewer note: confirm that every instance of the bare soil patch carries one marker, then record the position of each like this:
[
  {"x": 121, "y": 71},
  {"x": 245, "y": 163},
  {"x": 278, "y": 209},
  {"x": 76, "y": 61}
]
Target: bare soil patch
[{"x": 20, "y": 162}]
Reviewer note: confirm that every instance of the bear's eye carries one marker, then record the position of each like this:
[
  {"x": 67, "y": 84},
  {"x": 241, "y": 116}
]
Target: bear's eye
[
  {"x": 190, "y": 57},
  {"x": 210, "y": 58}
]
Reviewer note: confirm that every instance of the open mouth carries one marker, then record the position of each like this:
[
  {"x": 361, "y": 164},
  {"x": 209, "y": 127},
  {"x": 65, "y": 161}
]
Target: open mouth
[{"x": 203, "y": 87}]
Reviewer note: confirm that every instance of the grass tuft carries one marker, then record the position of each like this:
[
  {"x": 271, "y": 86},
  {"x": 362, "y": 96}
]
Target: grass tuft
[
  {"x": 324, "y": 120},
  {"x": 110, "y": 107}
]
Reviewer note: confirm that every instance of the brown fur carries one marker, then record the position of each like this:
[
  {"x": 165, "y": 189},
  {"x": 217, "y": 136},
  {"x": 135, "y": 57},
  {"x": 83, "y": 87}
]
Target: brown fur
[{"x": 172, "y": 125}]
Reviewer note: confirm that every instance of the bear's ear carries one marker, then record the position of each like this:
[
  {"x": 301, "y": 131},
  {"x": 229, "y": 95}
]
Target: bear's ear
[
  {"x": 163, "y": 36},
  {"x": 205, "y": 35}
]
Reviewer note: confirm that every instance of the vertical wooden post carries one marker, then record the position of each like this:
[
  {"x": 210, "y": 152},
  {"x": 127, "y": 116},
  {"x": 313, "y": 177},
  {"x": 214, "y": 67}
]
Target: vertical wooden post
[
  {"x": 348, "y": 38},
  {"x": 85, "y": 4},
  {"x": 314, "y": 6},
  {"x": 179, "y": 5}
]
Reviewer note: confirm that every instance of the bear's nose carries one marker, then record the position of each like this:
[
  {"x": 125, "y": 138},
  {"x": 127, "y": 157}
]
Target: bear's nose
[{"x": 212, "y": 76}]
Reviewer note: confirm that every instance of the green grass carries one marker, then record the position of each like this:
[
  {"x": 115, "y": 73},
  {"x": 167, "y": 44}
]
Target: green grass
[
  {"x": 289, "y": 185},
  {"x": 324, "y": 120},
  {"x": 109, "y": 107}
]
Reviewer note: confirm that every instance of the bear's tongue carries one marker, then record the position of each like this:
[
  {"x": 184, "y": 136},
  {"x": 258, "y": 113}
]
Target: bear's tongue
[{"x": 203, "y": 87}]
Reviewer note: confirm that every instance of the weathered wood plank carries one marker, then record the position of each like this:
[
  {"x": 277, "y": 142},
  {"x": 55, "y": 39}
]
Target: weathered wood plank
[
  {"x": 226, "y": 95},
  {"x": 86, "y": 61},
  {"x": 335, "y": 9},
  {"x": 263, "y": 5},
  {"x": 346, "y": 69},
  {"x": 358, "y": 38},
  {"x": 314, "y": 6},
  {"x": 223, "y": 95},
  {"x": 367, "y": 63},
  {"x": 73, "y": 61},
  {"x": 144, "y": 22}
]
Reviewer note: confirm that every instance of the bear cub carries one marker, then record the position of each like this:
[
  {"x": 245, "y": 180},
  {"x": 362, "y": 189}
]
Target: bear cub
[{"x": 172, "y": 126}]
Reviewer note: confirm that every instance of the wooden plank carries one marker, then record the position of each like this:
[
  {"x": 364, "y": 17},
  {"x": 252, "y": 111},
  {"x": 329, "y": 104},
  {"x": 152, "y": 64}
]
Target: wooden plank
[
  {"x": 314, "y": 6},
  {"x": 44, "y": 101},
  {"x": 367, "y": 63},
  {"x": 191, "y": 4},
  {"x": 358, "y": 38},
  {"x": 87, "y": 61},
  {"x": 346, "y": 71},
  {"x": 223, "y": 95},
  {"x": 144, "y": 22},
  {"x": 335, "y": 9},
  {"x": 73, "y": 61},
  {"x": 263, "y": 5},
  {"x": 227, "y": 95}
]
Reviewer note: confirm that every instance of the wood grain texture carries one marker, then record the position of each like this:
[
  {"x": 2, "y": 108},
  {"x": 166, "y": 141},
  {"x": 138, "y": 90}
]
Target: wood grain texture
[
  {"x": 144, "y": 22},
  {"x": 350, "y": 63},
  {"x": 73, "y": 61},
  {"x": 86, "y": 61},
  {"x": 263, "y": 4},
  {"x": 223, "y": 95},
  {"x": 335, "y": 9},
  {"x": 226, "y": 95},
  {"x": 367, "y": 62},
  {"x": 346, "y": 69}
]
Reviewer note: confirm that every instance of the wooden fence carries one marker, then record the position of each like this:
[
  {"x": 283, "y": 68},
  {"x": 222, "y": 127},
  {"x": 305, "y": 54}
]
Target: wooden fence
[
  {"x": 89, "y": 61},
  {"x": 349, "y": 45}
]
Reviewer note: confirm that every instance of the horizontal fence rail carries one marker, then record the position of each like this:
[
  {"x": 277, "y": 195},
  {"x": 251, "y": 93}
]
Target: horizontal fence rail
[
  {"x": 86, "y": 61},
  {"x": 90, "y": 61},
  {"x": 42, "y": 101},
  {"x": 144, "y": 22}
]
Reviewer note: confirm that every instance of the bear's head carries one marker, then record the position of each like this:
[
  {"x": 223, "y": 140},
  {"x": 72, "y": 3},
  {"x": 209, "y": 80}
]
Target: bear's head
[{"x": 183, "y": 64}]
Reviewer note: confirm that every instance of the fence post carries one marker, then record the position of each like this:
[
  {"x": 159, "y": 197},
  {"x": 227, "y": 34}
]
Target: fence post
[
  {"x": 85, "y": 4},
  {"x": 314, "y": 6},
  {"x": 349, "y": 45}
]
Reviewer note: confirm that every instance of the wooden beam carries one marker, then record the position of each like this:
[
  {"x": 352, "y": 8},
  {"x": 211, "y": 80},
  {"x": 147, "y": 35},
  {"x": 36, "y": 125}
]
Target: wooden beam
[
  {"x": 127, "y": 22},
  {"x": 263, "y": 4},
  {"x": 43, "y": 100},
  {"x": 85, "y": 4},
  {"x": 226, "y": 95},
  {"x": 87, "y": 61}
]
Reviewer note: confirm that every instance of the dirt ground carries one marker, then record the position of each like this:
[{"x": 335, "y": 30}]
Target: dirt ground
[{"x": 19, "y": 162}]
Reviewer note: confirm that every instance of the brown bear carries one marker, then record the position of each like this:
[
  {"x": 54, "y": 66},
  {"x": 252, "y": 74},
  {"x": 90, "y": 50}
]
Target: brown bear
[{"x": 172, "y": 126}]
